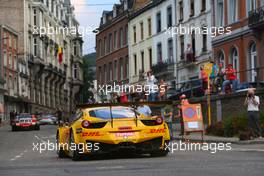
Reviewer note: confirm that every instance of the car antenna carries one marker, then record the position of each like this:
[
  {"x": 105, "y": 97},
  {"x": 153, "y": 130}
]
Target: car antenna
[{"x": 111, "y": 115}]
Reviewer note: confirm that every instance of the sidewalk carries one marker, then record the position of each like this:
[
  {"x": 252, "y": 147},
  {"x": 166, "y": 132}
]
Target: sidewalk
[{"x": 196, "y": 137}]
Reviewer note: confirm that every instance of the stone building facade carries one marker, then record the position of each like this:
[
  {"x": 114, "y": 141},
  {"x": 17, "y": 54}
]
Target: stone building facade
[{"x": 46, "y": 81}]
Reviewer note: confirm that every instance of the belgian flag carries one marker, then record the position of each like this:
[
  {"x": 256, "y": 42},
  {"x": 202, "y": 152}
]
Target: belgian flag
[{"x": 60, "y": 54}]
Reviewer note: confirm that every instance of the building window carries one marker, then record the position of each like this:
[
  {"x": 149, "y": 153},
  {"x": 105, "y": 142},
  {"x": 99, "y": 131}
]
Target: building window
[
  {"x": 142, "y": 61},
  {"x": 135, "y": 34},
  {"x": 126, "y": 35},
  {"x": 105, "y": 45},
  {"x": 121, "y": 69},
  {"x": 10, "y": 59},
  {"x": 5, "y": 58},
  {"x": 115, "y": 40},
  {"x": 169, "y": 17},
  {"x": 110, "y": 71},
  {"x": 253, "y": 62},
  {"x": 181, "y": 11},
  {"x": 105, "y": 73},
  {"x": 121, "y": 37},
  {"x": 234, "y": 59},
  {"x": 110, "y": 47},
  {"x": 142, "y": 30},
  {"x": 100, "y": 48},
  {"x": 204, "y": 36},
  {"x": 182, "y": 46},
  {"x": 159, "y": 52},
  {"x": 35, "y": 47},
  {"x": 149, "y": 27},
  {"x": 75, "y": 71},
  {"x": 251, "y": 5},
  {"x": 150, "y": 57},
  {"x": 220, "y": 13},
  {"x": 221, "y": 58},
  {"x": 203, "y": 5},
  {"x": 232, "y": 11},
  {"x": 75, "y": 49},
  {"x": 127, "y": 67},
  {"x": 170, "y": 50},
  {"x": 135, "y": 64},
  {"x": 115, "y": 70},
  {"x": 35, "y": 17},
  {"x": 192, "y": 10},
  {"x": 158, "y": 16}
]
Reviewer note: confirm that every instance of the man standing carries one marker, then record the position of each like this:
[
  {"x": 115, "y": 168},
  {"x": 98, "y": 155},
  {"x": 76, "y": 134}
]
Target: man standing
[
  {"x": 252, "y": 102},
  {"x": 167, "y": 114}
]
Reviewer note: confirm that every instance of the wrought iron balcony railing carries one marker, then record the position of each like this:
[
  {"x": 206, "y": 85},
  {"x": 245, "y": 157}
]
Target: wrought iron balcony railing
[{"x": 256, "y": 18}]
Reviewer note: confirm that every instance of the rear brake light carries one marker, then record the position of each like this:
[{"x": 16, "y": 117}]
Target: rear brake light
[
  {"x": 159, "y": 120},
  {"x": 85, "y": 124}
]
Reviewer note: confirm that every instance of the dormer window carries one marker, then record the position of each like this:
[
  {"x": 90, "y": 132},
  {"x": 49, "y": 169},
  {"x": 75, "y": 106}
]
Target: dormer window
[
  {"x": 104, "y": 19},
  {"x": 125, "y": 4},
  {"x": 114, "y": 12}
]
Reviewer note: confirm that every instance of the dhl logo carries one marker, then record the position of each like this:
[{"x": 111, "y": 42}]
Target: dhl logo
[
  {"x": 91, "y": 134},
  {"x": 157, "y": 130}
]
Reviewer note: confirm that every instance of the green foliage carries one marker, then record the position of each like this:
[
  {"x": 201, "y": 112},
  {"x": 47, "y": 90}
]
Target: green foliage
[
  {"x": 229, "y": 127},
  {"x": 88, "y": 76}
]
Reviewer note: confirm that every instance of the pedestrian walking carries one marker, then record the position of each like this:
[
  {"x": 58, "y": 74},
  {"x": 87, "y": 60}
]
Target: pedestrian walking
[{"x": 252, "y": 102}]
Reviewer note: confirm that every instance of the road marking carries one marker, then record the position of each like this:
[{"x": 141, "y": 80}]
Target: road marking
[
  {"x": 110, "y": 167},
  {"x": 17, "y": 156},
  {"x": 40, "y": 139}
]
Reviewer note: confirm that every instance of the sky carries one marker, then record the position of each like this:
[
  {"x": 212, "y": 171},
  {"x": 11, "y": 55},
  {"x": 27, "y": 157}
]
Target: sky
[{"x": 88, "y": 14}]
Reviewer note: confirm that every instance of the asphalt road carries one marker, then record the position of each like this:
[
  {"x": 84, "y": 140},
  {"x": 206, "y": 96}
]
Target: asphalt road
[{"x": 18, "y": 158}]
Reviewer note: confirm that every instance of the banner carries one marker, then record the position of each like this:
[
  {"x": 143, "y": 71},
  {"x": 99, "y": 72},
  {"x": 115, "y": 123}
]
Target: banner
[{"x": 192, "y": 117}]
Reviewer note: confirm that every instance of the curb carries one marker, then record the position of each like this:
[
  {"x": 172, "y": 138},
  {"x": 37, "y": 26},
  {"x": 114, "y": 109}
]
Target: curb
[{"x": 224, "y": 141}]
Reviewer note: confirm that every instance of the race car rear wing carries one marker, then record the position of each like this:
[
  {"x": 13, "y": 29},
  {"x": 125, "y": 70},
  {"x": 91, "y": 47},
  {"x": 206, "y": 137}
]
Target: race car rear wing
[{"x": 134, "y": 105}]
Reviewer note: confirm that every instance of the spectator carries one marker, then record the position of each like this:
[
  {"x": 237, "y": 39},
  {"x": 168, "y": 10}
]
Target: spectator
[
  {"x": 184, "y": 101},
  {"x": 167, "y": 114},
  {"x": 144, "y": 109},
  {"x": 204, "y": 78},
  {"x": 162, "y": 90},
  {"x": 252, "y": 102},
  {"x": 189, "y": 53},
  {"x": 213, "y": 76},
  {"x": 220, "y": 76},
  {"x": 123, "y": 97},
  {"x": 152, "y": 87},
  {"x": 231, "y": 79}
]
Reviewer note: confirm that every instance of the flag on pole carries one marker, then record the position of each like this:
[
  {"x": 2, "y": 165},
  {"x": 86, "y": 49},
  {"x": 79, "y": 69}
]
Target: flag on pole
[{"x": 60, "y": 54}]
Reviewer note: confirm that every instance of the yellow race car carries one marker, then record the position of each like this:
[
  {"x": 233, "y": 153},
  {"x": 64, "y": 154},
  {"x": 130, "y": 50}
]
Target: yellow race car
[{"x": 109, "y": 129}]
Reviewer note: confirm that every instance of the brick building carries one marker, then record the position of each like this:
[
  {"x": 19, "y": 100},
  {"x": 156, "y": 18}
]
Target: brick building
[
  {"x": 9, "y": 51},
  {"x": 244, "y": 47}
]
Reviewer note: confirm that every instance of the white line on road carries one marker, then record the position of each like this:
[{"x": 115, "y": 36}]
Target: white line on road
[
  {"x": 17, "y": 156},
  {"x": 110, "y": 167}
]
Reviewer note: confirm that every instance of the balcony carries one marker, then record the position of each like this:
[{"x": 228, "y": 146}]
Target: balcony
[
  {"x": 164, "y": 68},
  {"x": 256, "y": 18}
]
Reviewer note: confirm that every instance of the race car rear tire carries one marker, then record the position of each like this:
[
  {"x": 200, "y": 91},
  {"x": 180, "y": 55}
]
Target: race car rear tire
[
  {"x": 37, "y": 127},
  {"x": 60, "y": 151},
  {"x": 14, "y": 128},
  {"x": 75, "y": 155},
  {"x": 159, "y": 153}
]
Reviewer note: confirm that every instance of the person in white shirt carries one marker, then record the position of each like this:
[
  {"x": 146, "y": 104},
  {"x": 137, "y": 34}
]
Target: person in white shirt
[
  {"x": 144, "y": 109},
  {"x": 153, "y": 88},
  {"x": 252, "y": 102}
]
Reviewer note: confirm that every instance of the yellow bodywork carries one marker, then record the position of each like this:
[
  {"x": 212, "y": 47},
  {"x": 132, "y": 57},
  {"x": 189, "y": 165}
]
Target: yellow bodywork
[{"x": 112, "y": 133}]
